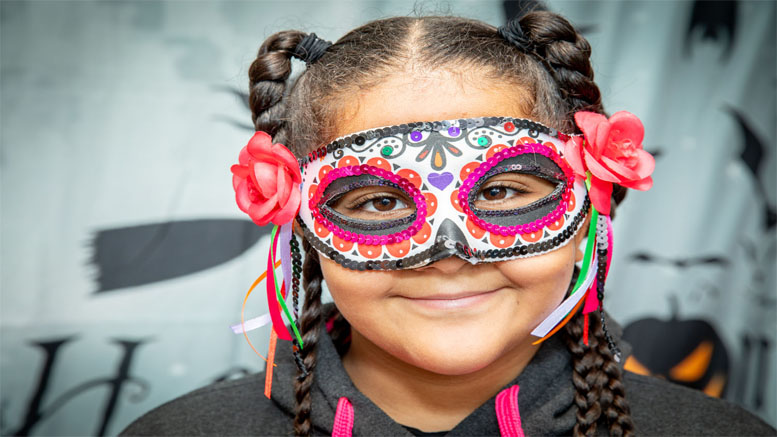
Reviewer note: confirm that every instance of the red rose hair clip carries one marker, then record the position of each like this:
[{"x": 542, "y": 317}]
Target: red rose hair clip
[
  {"x": 610, "y": 151},
  {"x": 266, "y": 181}
]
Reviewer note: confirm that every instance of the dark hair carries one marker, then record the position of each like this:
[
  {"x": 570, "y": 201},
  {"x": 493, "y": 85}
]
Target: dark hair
[{"x": 557, "y": 79}]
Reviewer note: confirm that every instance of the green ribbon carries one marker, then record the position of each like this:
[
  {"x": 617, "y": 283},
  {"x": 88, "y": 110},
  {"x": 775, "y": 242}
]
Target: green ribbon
[
  {"x": 278, "y": 289},
  {"x": 589, "y": 245}
]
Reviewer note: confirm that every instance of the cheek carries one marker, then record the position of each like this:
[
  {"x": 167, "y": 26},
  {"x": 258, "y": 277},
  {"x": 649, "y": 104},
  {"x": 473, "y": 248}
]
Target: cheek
[
  {"x": 354, "y": 291},
  {"x": 542, "y": 281}
]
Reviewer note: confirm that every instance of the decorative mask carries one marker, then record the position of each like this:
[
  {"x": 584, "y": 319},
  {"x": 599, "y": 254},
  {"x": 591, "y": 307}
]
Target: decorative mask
[{"x": 484, "y": 189}]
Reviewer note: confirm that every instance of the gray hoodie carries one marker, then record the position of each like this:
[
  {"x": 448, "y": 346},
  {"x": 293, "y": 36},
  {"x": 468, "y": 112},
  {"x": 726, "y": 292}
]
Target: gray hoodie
[{"x": 545, "y": 402}]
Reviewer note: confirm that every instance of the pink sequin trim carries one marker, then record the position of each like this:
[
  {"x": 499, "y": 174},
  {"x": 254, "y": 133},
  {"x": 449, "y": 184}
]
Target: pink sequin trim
[
  {"x": 496, "y": 159},
  {"x": 356, "y": 170}
]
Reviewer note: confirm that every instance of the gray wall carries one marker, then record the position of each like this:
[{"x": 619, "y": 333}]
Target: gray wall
[{"x": 124, "y": 257}]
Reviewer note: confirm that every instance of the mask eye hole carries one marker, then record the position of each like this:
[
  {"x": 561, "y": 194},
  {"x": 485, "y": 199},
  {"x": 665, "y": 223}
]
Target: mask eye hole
[
  {"x": 367, "y": 200},
  {"x": 522, "y": 185},
  {"x": 374, "y": 203},
  {"x": 511, "y": 190}
]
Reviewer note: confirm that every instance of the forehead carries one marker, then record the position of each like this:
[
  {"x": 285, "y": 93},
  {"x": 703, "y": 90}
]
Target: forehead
[{"x": 429, "y": 95}]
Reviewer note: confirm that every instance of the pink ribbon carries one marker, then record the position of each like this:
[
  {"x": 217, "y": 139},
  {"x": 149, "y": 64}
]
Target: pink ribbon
[
  {"x": 591, "y": 299},
  {"x": 272, "y": 298}
]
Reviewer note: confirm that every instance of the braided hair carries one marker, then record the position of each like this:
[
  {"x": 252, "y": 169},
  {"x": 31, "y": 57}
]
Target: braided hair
[
  {"x": 551, "y": 66},
  {"x": 310, "y": 327}
]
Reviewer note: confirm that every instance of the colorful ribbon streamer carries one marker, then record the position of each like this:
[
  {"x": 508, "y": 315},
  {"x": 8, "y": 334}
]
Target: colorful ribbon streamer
[
  {"x": 583, "y": 287},
  {"x": 243, "y": 313},
  {"x": 274, "y": 300}
]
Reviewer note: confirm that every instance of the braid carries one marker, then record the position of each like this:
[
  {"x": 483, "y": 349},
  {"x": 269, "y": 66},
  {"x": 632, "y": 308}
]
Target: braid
[
  {"x": 566, "y": 55},
  {"x": 267, "y": 82},
  {"x": 310, "y": 325},
  {"x": 600, "y": 397},
  {"x": 615, "y": 406},
  {"x": 586, "y": 364}
]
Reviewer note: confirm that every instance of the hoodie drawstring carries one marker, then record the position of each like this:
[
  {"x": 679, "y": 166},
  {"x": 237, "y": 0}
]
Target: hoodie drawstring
[
  {"x": 343, "y": 426},
  {"x": 506, "y": 414}
]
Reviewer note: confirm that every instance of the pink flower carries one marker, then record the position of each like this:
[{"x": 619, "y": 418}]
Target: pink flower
[
  {"x": 266, "y": 181},
  {"x": 612, "y": 153}
]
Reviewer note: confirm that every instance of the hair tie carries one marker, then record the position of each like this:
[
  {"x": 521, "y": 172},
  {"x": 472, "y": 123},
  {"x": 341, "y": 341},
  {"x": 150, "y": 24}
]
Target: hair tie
[
  {"x": 513, "y": 33},
  {"x": 311, "y": 48}
]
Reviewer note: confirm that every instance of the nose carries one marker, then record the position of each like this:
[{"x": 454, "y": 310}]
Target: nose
[
  {"x": 445, "y": 260},
  {"x": 447, "y": 266}
]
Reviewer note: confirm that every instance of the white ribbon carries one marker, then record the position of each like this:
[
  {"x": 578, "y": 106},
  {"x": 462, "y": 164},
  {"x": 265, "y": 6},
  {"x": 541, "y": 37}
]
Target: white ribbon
[{"x": 562, "y": 310}]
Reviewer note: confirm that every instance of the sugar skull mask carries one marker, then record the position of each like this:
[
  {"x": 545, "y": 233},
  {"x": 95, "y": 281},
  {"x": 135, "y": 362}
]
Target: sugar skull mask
[{"x": 484, "y": 189}]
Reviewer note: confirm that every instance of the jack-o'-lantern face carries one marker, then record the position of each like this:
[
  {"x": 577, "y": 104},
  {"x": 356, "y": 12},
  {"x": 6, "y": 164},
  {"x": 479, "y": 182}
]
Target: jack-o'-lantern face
[{"x": 687, "y": 352}]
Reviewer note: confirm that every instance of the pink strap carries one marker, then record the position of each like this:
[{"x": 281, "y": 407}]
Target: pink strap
[
  {"x": 507, "y": 413},
  {"x": 343, "y": 426}
]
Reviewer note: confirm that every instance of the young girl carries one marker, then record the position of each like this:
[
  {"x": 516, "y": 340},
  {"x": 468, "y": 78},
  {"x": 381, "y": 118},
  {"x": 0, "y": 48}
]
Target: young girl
[{"x": 446, "y": 178}]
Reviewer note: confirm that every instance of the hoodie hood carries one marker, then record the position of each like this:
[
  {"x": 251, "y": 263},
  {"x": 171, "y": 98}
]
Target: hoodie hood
[{"x": 546, "y": 399}]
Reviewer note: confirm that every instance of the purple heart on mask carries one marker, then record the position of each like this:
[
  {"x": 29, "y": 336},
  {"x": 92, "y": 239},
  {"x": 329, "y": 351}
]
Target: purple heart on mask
[{"x": 440, "y": 180}]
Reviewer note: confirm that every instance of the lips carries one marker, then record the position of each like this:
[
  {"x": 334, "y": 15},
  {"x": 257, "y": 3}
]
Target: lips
[
  {"x": 458, "y": 300},
  {"x": 451, "y": 296}
]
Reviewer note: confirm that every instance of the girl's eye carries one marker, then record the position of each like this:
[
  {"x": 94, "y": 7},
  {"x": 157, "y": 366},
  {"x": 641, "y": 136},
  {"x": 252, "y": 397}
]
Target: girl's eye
[
  {"x": 383, "y": 204},
  {"x": 496, "y": 193},
  {"x": 375, "y": 203},
  {"x": 509, "y": 190}
]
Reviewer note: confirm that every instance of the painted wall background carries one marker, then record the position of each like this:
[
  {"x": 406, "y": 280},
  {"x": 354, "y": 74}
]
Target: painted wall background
[{"x": 124, "y": 258}]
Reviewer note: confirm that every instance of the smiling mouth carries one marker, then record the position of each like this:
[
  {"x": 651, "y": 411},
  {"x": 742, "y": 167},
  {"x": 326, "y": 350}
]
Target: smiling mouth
[{"x": 461, "y": 300}]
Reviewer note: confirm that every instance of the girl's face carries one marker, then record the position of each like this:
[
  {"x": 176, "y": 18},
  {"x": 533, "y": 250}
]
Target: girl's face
[{"x": 450, "y": 317}]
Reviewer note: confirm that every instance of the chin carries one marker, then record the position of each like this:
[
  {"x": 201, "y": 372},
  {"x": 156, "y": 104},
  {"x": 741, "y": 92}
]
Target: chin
[
  {"x": 455, "y": 355},
  {"x": 454, "y": 366}
]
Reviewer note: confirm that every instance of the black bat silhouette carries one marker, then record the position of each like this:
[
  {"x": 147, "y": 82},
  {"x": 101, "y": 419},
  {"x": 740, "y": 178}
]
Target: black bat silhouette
[
  {"x": 752, "y": 155},
  {"x": 714, "y": 18},
  {"x": 518, "y": 8},
  {"x": 242, "y": 96},
  {"x": 681, "y": 263}
]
